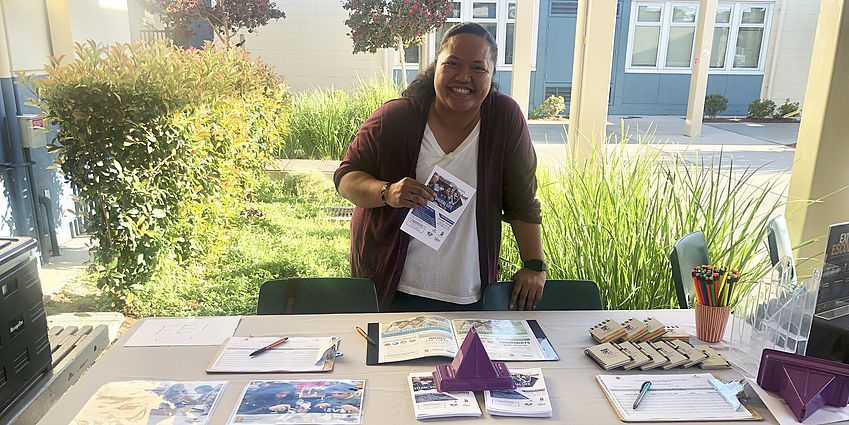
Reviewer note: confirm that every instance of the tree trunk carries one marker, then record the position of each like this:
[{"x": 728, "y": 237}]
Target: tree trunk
[{"x": 403, "y": 63}]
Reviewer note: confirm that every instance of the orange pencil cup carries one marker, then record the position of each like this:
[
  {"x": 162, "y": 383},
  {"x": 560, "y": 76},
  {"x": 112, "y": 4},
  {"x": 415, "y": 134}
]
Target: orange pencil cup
[{"x": 711, "y": 322}]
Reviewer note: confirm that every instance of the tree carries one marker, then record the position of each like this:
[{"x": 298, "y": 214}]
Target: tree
[
  {"x": 381, "y": 24},
  {"x": 226, "y": 17}
]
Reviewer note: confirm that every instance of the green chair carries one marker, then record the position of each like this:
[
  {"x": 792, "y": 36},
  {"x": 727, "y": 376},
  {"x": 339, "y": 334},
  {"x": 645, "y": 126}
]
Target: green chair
[
  {"x": 558, "y": 295},
  {"x": 688, "y": 252},
  {"x": 317, "y": 295}
]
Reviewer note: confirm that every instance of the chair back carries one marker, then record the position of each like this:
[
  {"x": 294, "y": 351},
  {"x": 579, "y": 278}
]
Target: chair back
[
  {"x": 558, "y": 295},
  {"x": 317, "y": 295},
  {"x": 688, "y": 252}
]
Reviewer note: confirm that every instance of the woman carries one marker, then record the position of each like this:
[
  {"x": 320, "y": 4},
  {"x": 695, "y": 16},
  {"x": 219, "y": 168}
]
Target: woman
[{"x": 451, "y": 116}]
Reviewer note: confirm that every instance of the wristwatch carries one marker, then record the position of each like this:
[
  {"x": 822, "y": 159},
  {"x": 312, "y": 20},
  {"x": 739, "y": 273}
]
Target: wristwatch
[{"x": 535, "y": 265}]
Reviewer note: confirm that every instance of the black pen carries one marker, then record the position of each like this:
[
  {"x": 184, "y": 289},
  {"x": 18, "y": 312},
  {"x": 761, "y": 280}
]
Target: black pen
[
  {"x": 269, "y": 346},
  {"x": 643, "y": 390}
]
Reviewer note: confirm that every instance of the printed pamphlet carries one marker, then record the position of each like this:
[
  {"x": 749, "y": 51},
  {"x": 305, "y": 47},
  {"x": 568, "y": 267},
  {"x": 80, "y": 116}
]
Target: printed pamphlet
[
  {"x": 428, "y": 403},
  {"x": 301, "y": 402},
  {"x": 429, "y": 335},
  {"x": 530, "y": 398},
  {"x": 151, "y": 402},
  {"x": 431, "y": 223}
]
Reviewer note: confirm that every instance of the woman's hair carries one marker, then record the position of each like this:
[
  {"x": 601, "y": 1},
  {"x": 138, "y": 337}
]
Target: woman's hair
[{"x": 422, "y": 86}]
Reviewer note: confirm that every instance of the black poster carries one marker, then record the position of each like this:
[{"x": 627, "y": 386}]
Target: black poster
[{"x": 833, "y": 297}]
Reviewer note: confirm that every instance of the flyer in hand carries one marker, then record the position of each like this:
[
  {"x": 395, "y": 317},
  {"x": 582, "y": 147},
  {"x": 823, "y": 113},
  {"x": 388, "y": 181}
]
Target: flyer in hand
[
  {"x": 429, "y": 403},
  {"x": 301, "y": 402},
  {"x": 432, "y": 222},
  {"x": 151, "y": 402}
]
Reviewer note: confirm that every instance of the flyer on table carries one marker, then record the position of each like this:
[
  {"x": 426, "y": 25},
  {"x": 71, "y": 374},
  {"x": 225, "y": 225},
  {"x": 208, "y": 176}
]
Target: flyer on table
[
  {"x": 432, "y": 222},
  {"x": 301, "y": 402},
  {"x": 420, "y": 336},
  {"x": 430, "y": 403},
  {"x": 503, "y": 339}
]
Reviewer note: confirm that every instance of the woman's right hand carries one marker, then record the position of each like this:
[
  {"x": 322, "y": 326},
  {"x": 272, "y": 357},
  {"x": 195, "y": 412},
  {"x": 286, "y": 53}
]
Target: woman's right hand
[{"x": 408, "y": 193}]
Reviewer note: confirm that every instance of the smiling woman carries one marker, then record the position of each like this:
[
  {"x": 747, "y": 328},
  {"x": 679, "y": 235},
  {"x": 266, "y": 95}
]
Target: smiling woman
[{"x": 453, "y": 117}]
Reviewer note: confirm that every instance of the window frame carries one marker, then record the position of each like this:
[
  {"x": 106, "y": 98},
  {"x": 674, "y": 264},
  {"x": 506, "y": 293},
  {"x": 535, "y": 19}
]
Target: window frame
[
  {"x": 734, "y": 25},
  {"x": 501, "y": 20}
]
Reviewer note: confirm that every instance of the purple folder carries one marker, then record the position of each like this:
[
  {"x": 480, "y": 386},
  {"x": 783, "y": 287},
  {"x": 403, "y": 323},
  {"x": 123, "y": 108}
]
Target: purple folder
[{"x": 806, "y": 383}]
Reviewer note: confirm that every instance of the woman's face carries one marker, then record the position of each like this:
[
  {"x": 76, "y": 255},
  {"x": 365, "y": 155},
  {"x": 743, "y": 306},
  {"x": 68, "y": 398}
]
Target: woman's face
[{"x": 463, "y": 73}]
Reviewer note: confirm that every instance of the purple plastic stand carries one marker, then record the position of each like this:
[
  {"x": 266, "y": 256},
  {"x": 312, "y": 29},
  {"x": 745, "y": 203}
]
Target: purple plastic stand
[
  {"x": 472, "y": 370},
  {"x": 806, "y": 383}
]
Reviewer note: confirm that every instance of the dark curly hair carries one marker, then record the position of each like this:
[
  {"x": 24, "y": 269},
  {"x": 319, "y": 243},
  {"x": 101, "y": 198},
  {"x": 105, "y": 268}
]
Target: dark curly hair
[{"x": 422, "y": 86}]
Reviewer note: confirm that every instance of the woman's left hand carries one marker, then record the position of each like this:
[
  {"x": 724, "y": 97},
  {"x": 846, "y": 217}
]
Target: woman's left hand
[{"x": 527, "y": 290}]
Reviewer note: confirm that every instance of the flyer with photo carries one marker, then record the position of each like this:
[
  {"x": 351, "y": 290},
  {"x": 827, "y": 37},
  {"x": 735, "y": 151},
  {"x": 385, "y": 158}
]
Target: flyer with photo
[
  {"x": 430, "y": 335},
  {"x": 503, "y": 339},
  {"x": 151, "y": 402},
  {"x": 301, "y": 402},
  {"x": 428, "y": 403},
  {"x": 530, "y": 398},
  {"x": 432, "y": 222}
]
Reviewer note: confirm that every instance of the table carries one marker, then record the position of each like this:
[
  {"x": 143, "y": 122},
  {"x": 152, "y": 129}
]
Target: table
[{"x": 576, "y": 397}]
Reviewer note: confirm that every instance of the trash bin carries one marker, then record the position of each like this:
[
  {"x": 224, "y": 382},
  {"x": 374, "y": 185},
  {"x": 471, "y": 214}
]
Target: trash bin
[{"x": 24, "y": 347}]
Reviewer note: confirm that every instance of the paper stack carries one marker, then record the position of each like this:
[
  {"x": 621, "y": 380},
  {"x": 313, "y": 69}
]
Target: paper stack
[
  {"x": 529, "y": 399},
  {"x": 428, "y": 403}
]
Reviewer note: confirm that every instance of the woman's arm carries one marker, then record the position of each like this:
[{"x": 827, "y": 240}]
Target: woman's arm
[
  {"x": 529, "y": 284},
  {"x": 364, "y": 190}
]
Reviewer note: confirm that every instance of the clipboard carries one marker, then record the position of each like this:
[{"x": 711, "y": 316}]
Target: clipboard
[
  {"x": 373, "y": 350},
  {"x": 755, "y": 415}
]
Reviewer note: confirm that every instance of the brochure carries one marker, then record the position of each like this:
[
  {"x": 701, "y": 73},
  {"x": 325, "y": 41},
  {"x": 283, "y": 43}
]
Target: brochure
[
  {"x": 430, "y": 335},
  {"x": 429, "y": 403},
  {"x": 151, "y": 402},
  {"x": 297, "y": 354},
  {"x": 300, "y": 402},
  {"x": 530, "y": 398},
  {"x": 431, "y": 223}
]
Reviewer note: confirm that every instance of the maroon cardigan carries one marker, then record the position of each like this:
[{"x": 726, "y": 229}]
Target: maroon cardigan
[{"x": 387, "y": 147}]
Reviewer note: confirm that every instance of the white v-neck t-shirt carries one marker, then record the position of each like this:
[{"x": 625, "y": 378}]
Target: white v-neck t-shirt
[{"x": 452, "y": 273}]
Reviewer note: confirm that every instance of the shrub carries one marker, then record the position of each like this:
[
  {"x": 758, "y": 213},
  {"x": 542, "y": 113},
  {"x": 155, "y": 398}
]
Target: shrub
[
  {"x": 715, "y": 104},
  {"x": 164, "y": 143},
  {"x": 614, "y": 221},
  {"x": 760, "y": 109},
  {"x": 550, "y": 107},
  {"x": 323, "y": 122},
  {"x": 786, "y": 109}
]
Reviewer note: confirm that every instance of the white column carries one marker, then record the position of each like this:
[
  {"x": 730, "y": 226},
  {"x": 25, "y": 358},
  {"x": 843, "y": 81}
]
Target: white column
[
  {"x": 591, "y": 77},
  {"x": 424, "y": 53},
  {"x": 520, "y": 87},
  {"x": 821, "y": 165},
  {"x": 5, "y": 53},
  {"x": 59, "y": 20},
  {"x": 700, "y": 67}
]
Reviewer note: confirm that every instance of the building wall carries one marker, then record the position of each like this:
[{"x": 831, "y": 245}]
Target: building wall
[
  {"x": 105, "y": 21},
  {"x": 789, "y": 55},
  {"x": 311, "y": 48},
  {"x": 28, "y": 34}
]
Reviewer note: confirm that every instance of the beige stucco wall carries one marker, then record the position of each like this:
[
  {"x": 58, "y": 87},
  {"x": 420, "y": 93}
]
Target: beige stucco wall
[
  {"x": 105, "y": 21},
  {"x": 311, "y": 46},
  {"x": 789, "y": 54},
  {"x": 28, "y": 34}
]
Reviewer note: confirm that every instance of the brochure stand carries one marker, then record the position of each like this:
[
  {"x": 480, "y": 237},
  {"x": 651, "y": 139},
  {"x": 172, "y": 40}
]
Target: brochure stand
[
  {"x": 472, "y": 370},
  {"x": 805, "y": 383}
]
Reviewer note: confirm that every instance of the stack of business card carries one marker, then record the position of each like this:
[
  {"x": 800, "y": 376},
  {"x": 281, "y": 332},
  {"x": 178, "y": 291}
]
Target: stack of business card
[{"x": 529, "y": 399}]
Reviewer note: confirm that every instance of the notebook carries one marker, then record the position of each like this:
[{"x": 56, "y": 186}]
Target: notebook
[
  {"x": 607, "y": 331},
  {"x": 638, "y": 358},
  {"x": 634, "y": 329},
  {"x": 608, "y": 355}
]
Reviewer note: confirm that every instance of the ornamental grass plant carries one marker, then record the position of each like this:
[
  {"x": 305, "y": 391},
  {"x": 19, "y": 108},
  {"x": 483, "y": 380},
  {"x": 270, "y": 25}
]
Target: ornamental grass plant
[
  {"x": 614, "y": 221},
  {"x": 323, "y": 122}
]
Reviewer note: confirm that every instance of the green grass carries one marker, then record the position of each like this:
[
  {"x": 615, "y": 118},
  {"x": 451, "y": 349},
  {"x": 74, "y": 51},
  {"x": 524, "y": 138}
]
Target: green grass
[{"x": 284, "y": 235}]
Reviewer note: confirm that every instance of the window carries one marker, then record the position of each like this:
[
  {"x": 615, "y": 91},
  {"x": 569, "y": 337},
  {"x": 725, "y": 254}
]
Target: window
[
  {"x": 497, "y": 16},
  {"x": 662, "y": 36}
]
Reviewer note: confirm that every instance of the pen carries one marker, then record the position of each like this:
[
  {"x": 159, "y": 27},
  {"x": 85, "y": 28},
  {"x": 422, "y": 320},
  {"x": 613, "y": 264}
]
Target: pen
[
  {"x": 365, "y": 335},
  {"x": 643, "y": 390},
  {"x": 269, "y": 346}
]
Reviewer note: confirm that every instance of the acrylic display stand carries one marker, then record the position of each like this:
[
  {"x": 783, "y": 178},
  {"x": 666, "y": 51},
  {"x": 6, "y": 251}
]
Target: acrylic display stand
[
  {"x": 806, "y": 383},
  {"x": 472, "y": 370},
  {"x": 775, "y": 313}
]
